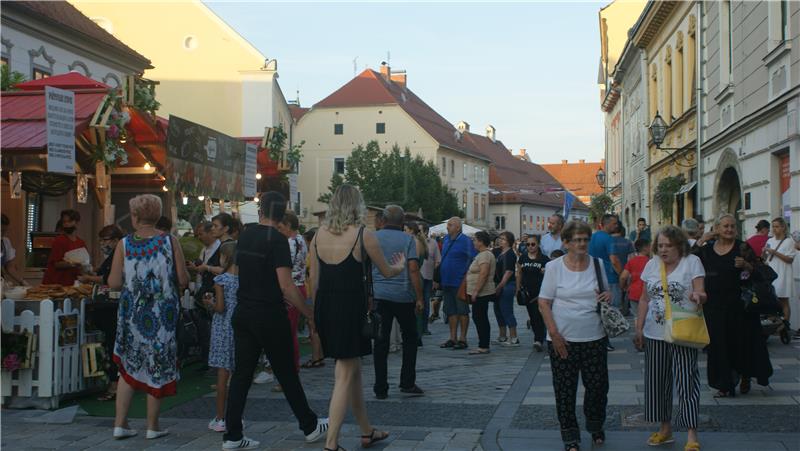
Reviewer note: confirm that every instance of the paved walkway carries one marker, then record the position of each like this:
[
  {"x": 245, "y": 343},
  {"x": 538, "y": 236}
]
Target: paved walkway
[{"x": 499, "y": 401}]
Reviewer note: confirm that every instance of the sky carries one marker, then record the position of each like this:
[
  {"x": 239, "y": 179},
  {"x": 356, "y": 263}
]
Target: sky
[{"x": 528, "y": 69}]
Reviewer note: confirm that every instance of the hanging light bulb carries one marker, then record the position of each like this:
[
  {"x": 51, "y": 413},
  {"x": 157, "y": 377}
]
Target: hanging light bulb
[
  {"x": 147, "y": 166},
  {"x": 201, "y": 198},
  {"x": 123, "y": 137},
  {"x": 258, "y": 176},
  {"x": 255, "y": 199},
  {"x": 185, "y": 200},
  {"x": 164, "y": 188}
]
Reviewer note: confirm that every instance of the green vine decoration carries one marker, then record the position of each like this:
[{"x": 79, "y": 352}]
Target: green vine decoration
[
  {"x": 144, "y": 97},
  {"x": 294, "y": 155},
  {"x": 112, "y": 153},
  {"x": 599, "y": 205},
  {"x": 664, "y": 194}
]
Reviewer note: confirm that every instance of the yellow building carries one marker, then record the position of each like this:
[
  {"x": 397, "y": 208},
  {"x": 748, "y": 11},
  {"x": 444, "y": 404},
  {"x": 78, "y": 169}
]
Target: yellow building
[
  {"x": 667, "y": 35},
  {"x": 380, "y": 107},
  {"x": 208, "y": 73}
]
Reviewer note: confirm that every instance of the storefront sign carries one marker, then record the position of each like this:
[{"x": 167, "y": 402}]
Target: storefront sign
[
  {"x": 60, "y": 107},
  {"x": 204, "y": 162},
  {"x": 250, "y": 168}
]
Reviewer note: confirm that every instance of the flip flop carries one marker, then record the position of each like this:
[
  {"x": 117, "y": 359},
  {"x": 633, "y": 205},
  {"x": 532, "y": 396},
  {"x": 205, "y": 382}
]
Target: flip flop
[
  {"x": 319, "y": 363},
  {"x": 369, "y": 440},
  {"x": 107, "y": 396}
]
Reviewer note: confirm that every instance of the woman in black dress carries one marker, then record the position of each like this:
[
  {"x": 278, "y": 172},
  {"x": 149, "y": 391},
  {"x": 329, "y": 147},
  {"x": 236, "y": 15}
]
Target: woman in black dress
[
  {"x": 530, "y": 274},
  {"x": 340, "y": 304},
  {"x": 737, "y": 347}
]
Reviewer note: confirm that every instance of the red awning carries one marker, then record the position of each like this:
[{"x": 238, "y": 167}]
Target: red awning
[{"x": 70, "y": 81}]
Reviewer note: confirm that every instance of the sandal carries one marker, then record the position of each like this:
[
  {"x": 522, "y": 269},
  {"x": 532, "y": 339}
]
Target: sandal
[
  {"x": 338, "y": 448},
  {"x": 371, "y": 439},
  {"x": 448, "y": 344},
  {"x": 598, "y": 438},
  {"x": 479, "y": 351},
  {"x": 725, "y": 394},
  {"x": 319, "y": 363},
  {"x": 744, "y": 386},
  {"x": 108, "y": 396},
  {"x": 461, "y": 344},
  {"x": 657, "y": 439},
  {"x": 573, "y": 446},
  {"x": 691, "y": 446}
]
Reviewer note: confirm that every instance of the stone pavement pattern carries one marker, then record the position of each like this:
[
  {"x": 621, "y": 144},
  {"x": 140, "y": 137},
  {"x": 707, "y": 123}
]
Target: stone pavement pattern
[{"x": 502, "y": 400}]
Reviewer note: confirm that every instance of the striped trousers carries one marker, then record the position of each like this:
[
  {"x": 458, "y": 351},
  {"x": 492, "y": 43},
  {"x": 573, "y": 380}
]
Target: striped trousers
[{"x": 667, "y": 364}]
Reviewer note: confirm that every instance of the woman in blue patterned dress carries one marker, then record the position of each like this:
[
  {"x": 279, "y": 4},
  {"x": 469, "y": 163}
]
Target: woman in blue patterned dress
[
  {"x": 220, "y": 356},
  {"x": 149, "y": 269}
]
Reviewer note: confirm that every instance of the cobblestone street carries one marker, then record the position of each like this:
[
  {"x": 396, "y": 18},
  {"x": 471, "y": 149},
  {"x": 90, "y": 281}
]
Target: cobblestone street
[{"x": 500, "y": 401}]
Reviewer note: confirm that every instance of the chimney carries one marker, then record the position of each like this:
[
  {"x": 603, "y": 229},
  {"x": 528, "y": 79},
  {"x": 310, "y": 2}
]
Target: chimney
[
  {"x": 582, "y": 161},
  {"x": 386, "y": 71},
  {"x": 399, "y": 78},
  {"x": 462, "y": 127},
  {"x": 564, "y": 161},
  {"x": 490, "y": 132},
  {"x": 523, "y": 152}
]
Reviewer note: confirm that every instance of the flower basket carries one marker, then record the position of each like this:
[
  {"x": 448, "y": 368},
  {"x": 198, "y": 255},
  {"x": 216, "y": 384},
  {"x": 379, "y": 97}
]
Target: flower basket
[{"x": 17, "y": 350}]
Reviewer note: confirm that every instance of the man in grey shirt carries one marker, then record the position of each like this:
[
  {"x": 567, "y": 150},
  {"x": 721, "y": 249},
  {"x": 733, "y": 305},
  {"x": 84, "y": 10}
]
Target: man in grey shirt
[
  {"x": 552, "y": 240},
  {"x": 397, "y": 297}
]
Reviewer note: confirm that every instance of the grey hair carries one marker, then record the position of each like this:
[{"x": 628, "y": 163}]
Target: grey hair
[
  {"x": 691, "y": 227},
  {"x": 722, "y": 216},
  {"x": 394, "y": 215},
  {"x": 457, "y": 220},
  {"x": 345, "y": 208}
]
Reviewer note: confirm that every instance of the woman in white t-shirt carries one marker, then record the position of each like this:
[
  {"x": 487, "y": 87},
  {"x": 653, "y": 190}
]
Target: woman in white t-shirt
[
  {"x": 576, "y": 339},
  {"x": 779, "y": 254},
  {"x": 668, "y": 363}
]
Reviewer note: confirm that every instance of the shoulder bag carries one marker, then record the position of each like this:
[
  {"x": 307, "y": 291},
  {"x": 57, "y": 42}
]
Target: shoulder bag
[
  {"x": 683, "y": 328},
  {"x": 371, "y": 327},
  {"x": 462, "y": 295},
  {"x": 614, "y": 322},
  {"x": 772, "y": 256},
  {"x": 437, "y": 272}
]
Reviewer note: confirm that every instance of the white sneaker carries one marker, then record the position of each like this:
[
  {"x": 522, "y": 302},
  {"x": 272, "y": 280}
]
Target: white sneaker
[
  {"x": 319, "y": 432},
  {"x": 502, "y": 340},
  {"x": 151, "y": 434},
  {"x": 263, "y": 378},
  {"x": 217, "y": 425},
  {"x": 121, "y": 433},
  {"x": 511, "y": 342},
  {"x": 244, "y": 443}
]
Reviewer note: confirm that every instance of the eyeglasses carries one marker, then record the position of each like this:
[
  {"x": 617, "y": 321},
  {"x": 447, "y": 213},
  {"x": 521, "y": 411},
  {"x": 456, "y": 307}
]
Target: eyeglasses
[
  {"x": 579, "y": 240},
  {"x": 531, "y": 244}
]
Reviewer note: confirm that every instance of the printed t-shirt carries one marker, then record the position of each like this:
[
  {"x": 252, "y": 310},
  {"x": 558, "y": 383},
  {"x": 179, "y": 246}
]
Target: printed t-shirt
[
  {"x": 574, "y": 300},
  {"x": 532, "y": 272},
  {"x": 679, "y": 285}
]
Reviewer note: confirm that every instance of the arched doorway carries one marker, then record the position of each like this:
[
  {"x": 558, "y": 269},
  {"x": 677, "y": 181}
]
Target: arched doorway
[{"x": 729, "y": 195}]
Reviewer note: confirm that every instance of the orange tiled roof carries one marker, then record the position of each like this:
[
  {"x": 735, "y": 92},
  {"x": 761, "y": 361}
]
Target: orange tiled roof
[
  {"x": 580, "y": 178},
  {"x": 369, "y": 88},
  {"x": 297, "y": 111}
]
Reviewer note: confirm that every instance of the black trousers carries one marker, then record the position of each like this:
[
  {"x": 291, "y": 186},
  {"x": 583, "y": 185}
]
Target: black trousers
[
  {"x": 480, "y": 316},
  {"x": 590, "y": 360},
  {"x": 537, "y": 322},
  {"x": 406, "y": 318},
  {"x": 264, "y": 328}
]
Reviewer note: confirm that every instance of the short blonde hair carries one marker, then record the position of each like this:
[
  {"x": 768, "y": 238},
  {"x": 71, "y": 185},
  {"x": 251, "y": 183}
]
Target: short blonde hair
[
  {"x": 345, "y": 208},
  {"x": 146, "y": 208}
]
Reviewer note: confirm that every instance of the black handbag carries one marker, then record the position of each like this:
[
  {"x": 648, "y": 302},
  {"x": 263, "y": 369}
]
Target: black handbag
[
  {"x": 437, "y": 272},
  {"x": 758, "y": 294},
  {"x": 372, "y": 326}
]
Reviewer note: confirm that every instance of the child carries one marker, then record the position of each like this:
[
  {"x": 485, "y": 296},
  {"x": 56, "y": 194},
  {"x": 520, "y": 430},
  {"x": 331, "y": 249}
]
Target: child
[
  {"x": 221, "y": 354},
  {"x": 631, "y": 279}
]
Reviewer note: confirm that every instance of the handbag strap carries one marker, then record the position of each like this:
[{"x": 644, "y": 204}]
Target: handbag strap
[
  {"x": 598, "y": 274},
  {"x": 667, "y": 301},
  {"x": 365, "y": 267},
  {"x": 450, "y": 246},
  {"x": 771, "y": 256}
]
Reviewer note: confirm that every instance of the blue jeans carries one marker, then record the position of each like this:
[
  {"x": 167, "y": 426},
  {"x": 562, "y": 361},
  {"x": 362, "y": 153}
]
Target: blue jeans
[{"x": 504, "y": 307}]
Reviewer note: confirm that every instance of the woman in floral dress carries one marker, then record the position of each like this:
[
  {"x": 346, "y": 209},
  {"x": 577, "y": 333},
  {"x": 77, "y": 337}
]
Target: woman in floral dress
[{"x": 149, "y": 269}]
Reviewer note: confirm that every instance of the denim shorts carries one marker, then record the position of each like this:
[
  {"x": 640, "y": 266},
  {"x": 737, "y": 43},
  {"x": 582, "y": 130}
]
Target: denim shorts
[{"x": 453, "y": 306}]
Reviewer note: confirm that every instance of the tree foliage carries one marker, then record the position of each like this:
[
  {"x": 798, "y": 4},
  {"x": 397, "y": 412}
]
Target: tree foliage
[
  {"x": 599, "y": 205},
  {"x": 9, "y": 78},
  {"x": 395, "y": 177},
  {"x": 664, "y": 195}
]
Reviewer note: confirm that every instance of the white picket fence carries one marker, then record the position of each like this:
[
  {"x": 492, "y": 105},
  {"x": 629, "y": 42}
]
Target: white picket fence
[{"x": 55, "y": 370}]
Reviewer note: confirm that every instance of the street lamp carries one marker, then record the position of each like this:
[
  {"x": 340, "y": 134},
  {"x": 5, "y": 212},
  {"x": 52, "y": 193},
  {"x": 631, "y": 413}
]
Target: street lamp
[
  {"x": 658, "y": 130},
  {"x": 601, "y": 177}
]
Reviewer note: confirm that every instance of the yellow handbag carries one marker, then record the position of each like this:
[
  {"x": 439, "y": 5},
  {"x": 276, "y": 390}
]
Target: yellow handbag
[{"x": 685, "y": 328}]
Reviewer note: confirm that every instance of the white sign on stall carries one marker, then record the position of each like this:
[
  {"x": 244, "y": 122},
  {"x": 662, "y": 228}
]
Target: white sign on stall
[
  {"x": 60, "y": 110},
  {"x": 250, "y": 167}
]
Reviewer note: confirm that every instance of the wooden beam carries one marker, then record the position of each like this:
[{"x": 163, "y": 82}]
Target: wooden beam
[{"x": 132, "y": 171}]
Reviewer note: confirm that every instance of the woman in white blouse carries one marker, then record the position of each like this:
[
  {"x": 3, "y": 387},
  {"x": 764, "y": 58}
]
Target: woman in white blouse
[
  {"x": 576, "y": 339},
  {"x": 779, "y": 254},
  {"x": 668, "y": 363}
]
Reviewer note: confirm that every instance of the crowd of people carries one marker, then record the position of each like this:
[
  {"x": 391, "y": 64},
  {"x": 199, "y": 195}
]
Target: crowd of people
[{"x": 257, "y": 281}]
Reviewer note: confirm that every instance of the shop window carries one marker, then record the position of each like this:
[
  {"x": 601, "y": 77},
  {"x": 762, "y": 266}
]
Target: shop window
[
  {"x": 380, "y": 128},
  {"x": 39, "y": 73},
  {"x": 338, "y": 129},
  {"x": 338, "y": 166}
]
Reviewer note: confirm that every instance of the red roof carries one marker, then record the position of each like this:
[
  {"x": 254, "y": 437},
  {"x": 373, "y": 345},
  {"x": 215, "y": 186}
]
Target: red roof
[
  {"x": 70, "y": 80},
  {"x": 68, "y": 17},
  {"x": 512, "y": 180},
  {"x": 580, "y": 178},
  {"x": 297, "y": 111},
  {"x": 370, "y": 88}
]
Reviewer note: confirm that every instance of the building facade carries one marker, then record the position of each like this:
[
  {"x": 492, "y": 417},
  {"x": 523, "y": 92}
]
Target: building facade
[
  {"x": 378, "y": 106},
  {"x": 579, "y": 178}
]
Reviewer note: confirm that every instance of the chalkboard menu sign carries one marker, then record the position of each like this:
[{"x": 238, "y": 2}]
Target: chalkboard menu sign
[{"x": 204, "y": 162}]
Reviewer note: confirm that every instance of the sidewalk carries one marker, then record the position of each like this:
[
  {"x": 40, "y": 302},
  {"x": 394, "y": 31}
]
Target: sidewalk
[{"x": 499, "y": 401}]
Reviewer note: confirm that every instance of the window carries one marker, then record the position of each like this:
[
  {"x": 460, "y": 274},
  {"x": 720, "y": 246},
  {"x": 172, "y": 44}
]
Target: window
[
  {"x": 666, "y": 96},
  {"x": 778, "y": 19},
  {"x": 475, "y": 207},
  {"x": 475, "y": 173},
  {"x": 653, "y": 95},
  {"x": 380, "y": 128},
  {"x": 338, "y": 129},
  {"x": 338, "y": 166},
  {"x": 297, "y": 204},
  {"x": 784, "y": 20},
  {"x": 725, "y": 48},
  {"x": 690, "y": 60},
  {"x": 499, "y": 222},
  {"x": 452, "y": 168},
  {"x": 483, "y": 207},
  {"x": 464, "y": 202},
  {"x": 39, "y": 73},
  {"x": 678, "y": 79},
  {"x": 464, "y": 175},
  {"x": 444, "y": 166},
  {"x": 483, "y": 175}
]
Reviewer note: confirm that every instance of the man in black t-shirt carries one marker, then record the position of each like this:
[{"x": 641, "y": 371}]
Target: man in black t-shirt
[{"x": 260, "y": 323}]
